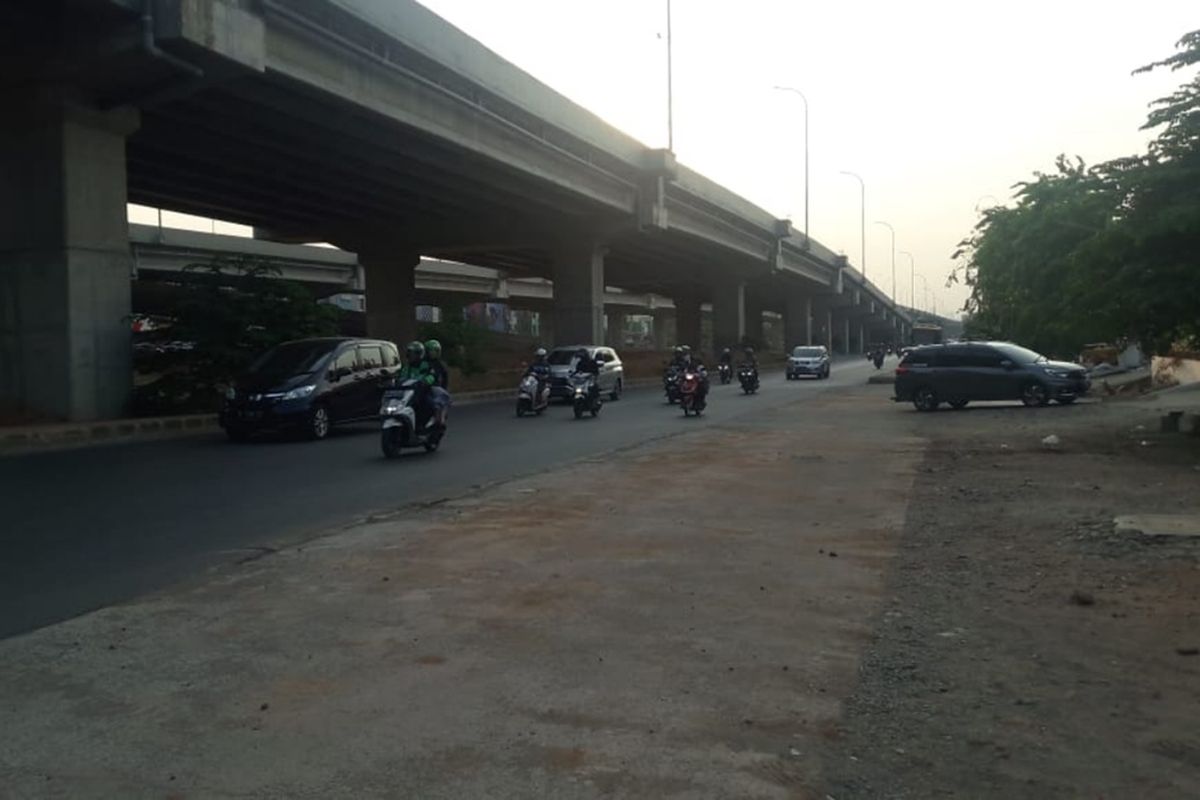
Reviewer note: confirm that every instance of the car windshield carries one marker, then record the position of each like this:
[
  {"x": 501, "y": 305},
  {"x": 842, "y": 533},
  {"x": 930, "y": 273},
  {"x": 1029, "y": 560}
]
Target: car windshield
[
  {"x": 1019, "y": 355},
  {"x": 293, "y": 358},
  {"x": 807, "y": 352},
  {"x": 560, "y": 357}
]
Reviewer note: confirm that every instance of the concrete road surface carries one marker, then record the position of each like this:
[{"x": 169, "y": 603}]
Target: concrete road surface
[
  {"x": 83, "y": 529},
  {"x": 678, "y": 620}
]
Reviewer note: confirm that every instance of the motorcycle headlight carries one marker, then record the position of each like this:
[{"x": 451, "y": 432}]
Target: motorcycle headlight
[
  {"x": 299, "y": 392},
  {"x": 394, "y": 405}
]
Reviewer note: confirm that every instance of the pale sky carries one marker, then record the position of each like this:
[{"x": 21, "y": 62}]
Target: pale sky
[
  {"x": 938, "y": 105},
  {"x": 935, "y": 104}
]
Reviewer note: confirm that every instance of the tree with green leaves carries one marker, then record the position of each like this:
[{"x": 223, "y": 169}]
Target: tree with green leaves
[
  {"x": 232, "y": 310},
  {"x": 1099, "y": 253}
]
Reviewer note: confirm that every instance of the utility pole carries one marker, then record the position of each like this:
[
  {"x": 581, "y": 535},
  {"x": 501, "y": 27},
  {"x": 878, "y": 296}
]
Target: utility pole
[{"x": 670, "y": 87}]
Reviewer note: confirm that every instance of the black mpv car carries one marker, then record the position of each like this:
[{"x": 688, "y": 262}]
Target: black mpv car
[
  {"x": 309, "y": 385},
  {"x": 962, "y": 372}
]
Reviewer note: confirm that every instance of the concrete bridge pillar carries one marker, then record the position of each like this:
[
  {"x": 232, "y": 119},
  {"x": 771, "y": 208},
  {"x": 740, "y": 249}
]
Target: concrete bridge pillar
[
  {"x": 687, "y": 321},
  {"x": 862, "y": 337},
  {"x": 754, "y": 322},
  {"x": 797, "y": 321},
  {"x": 823, "y": 324},
  {"x": 846, "y": 347},
  {"x": 578, "y": 292},
  {"x": 65, "y": 262},
  {"x": 664, "y": 328},
  {"x": 729, "y": 314},
  {"x": 391, "y": 294},
  {"x": 614, "y": 330}
]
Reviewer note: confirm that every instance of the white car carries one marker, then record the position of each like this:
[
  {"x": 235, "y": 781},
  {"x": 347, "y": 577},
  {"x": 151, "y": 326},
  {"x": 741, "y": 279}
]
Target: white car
[
  {"x": 562, "y": 361},
  {"x": 808, "y": 360}
]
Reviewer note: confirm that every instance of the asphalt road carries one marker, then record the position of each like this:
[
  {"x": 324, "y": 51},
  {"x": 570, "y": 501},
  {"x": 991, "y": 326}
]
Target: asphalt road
[{"x": 83, "y": 529}]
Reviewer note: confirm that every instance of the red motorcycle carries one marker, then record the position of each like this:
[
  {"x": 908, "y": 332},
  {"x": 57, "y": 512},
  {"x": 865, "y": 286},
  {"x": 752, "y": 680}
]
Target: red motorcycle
[{"x": 691, "y": 393}]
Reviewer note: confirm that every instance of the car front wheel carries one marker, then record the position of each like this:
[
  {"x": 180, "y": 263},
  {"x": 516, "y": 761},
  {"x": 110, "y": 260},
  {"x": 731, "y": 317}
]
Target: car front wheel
[
  {"x": 318, "y": 423},
  {"x": 1034, "y": 394},
  {"x": 616, "y": 392},
  {"x": 925, "y": 399}
]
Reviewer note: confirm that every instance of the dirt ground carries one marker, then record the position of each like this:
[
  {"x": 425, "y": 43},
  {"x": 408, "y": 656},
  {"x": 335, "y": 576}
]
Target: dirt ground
[
  {"x": 1026, "y": 649},
  {"x": 838, "y": 599}
]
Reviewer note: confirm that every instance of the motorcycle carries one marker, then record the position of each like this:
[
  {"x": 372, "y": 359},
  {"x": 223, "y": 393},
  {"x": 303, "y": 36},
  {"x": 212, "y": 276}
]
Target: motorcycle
[
  {"x": 403, "y": 425},
  {"x": 726, "y": 372},
  {"x": 671, "y": 384},
  {"x": 690, "y": 398},
  {"x": 877, "y": 359},
  {"x": 533, "y": 396},
  {"x": 585, "y": 394},
  {"x": 748, "y": 376}
]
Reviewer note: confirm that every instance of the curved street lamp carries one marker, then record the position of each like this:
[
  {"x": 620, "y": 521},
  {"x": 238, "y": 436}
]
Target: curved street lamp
[
  {"x": 862, "y": 224},
  {"x": 912, "y": 281},
  {"x": 893, "y": 230},
  {"x": 800, "y": 94}
]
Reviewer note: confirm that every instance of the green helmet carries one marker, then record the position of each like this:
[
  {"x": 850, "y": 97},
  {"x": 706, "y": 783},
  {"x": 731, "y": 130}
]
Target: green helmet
[
  {"x": 433, "y": 348},
  {"x": 414, "y": 352}
]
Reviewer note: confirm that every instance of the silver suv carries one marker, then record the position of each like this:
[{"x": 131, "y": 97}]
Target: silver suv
[
  {"x": 808, "y": 360},
  {"x": 562, "y": 361}
]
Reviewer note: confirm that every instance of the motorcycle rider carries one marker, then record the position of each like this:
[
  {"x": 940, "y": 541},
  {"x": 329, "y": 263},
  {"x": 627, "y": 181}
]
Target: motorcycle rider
[
  {"x": 439, "y": 393},
  {"x": 586, "y": 365},
  {"x": 749, "y": 359},
  {"x": 725, "y": 365},
  {"x": 540, "y": 369},
  {"x": 416, "y": 368},
  {"x": 692, "y": 362}
]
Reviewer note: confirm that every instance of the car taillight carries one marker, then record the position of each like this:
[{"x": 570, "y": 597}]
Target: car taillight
[{"x": 901, "y": 370}]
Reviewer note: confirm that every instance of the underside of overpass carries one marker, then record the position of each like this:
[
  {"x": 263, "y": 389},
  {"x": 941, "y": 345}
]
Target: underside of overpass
[{"x": 318, "y": 121}]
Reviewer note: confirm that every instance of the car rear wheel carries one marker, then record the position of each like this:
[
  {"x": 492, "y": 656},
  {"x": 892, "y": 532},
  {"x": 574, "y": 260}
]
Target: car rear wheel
[
  {"x": 318, "y": 423},
  {"x": 925, "y": 399},
  {"x": 1034, "y": 394},
  {"x": 958, "y": 404}
]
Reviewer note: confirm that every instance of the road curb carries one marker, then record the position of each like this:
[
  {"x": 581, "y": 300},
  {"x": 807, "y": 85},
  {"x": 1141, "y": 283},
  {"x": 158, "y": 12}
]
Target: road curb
[{"x": 67, "y": 435}]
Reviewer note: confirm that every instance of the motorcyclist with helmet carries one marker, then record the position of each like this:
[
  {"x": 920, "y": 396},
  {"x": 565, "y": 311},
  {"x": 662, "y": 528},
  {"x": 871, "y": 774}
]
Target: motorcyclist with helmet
[
  {"x": 693, "y": 363},
  {"x": 540, "y": 369},
  {"x": 586, "y": 365},
  {"x": 417, "y": 368},
  {"x": 439, "y": 393},
  {"x": 749, "y": 359}
]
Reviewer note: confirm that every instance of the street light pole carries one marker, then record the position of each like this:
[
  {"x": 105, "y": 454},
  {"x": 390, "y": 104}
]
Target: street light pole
[
  {"x": 805, "y": 99},
  {"x": 925, "y": 283},
  {"x": 893, "y": 230},
  {"x": 912, "y": 280},
  {"x": 670, "y": 87},
  {"x": 862, "y": 223}
]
